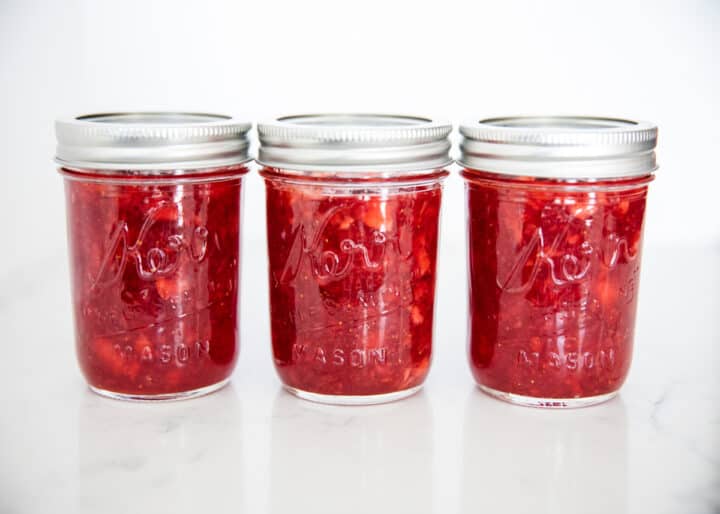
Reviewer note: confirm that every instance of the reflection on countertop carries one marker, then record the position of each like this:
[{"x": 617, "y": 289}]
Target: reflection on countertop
[
  {"x": 358, "y": 459},
  {"x": 159, "y": 456},
  {"x": 518, "y": 459}
]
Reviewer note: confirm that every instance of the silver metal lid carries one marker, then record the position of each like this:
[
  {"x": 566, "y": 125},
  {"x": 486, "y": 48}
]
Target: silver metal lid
[
  {"x": 564, "y": 147},
  {"x": 151, "y": 141},
  {"x": 350, "y": 144}
]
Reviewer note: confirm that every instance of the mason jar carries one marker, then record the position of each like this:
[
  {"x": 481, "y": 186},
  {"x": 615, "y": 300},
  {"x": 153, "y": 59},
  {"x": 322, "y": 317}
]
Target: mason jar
[
  {"x": 353, "y": 203},
  {"x": 556, "y": 207},
  {"x": 153, "y": 220}
]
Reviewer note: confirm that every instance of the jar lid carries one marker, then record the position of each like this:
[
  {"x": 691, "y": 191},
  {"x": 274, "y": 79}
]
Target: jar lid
[
  {"x": 350, "y": 144},
  {"x": 566, "y": 147},
  {"x": 151, "y": 141}
]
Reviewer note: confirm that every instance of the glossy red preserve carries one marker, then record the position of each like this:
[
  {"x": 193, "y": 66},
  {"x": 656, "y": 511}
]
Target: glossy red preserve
[
  {"x": 155, "y": 271},
  {"x": 352, "y": 282},
  {"x": 554, "y": 269}
]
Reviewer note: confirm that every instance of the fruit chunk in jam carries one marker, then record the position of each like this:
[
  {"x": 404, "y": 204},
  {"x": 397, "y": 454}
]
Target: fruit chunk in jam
[
  {"x": 352, "y": 284},
  {"x": 155, "y": 275},
  {"x": 553, "y": 283}
]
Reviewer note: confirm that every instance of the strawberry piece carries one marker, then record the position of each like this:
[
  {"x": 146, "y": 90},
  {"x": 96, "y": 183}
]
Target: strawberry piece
[{"x": 373, "y": 216}]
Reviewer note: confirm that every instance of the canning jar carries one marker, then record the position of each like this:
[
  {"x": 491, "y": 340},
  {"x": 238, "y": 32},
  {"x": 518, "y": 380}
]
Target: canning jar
[
  {"x": 153, "y": 220},
  {"x": 352, "y": 225},
  {"x": 555, "y": 221}
]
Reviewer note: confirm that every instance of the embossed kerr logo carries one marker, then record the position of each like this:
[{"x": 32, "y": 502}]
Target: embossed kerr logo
[
  {"x": 332, "y": 265},
  {"x": 566, "y": 264},
  {"x": 160, "y": 260}
]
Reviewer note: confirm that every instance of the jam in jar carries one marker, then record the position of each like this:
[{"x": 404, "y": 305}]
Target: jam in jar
[
  {"x": 153, "y": 217},
  {"x": 353, "y": 203},
  {"x": 555, "y": 221}
]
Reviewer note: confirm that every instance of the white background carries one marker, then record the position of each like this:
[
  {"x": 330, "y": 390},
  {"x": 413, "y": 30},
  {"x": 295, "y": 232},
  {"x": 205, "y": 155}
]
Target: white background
[
  {"x": 652, "y": 60},
  {"x": 62, "y": 449}
]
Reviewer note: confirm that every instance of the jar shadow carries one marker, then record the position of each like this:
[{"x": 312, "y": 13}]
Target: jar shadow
[
  {"x": 174, "y": 456},
  {"x": 351, "y": 459},
  {"x": 522, "y": 459}
]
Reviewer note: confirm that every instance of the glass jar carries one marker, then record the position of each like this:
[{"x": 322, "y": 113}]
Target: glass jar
[
  {"x": 352, "y": 221},
  {"x": 555, "y": 219},
  {"x": 153, "y": 217}
]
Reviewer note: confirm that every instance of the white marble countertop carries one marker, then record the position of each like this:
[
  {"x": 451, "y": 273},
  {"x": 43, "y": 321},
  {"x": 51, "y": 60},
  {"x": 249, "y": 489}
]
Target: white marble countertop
[{"x": 253, "y": 448}]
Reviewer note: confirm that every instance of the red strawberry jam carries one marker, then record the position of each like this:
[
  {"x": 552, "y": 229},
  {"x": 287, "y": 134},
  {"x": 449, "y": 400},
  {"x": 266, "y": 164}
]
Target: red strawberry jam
[
  {"x": 155, "y": 275},
  {"x": 352, "y": 282},
  {"x": 554, "y": 272}
]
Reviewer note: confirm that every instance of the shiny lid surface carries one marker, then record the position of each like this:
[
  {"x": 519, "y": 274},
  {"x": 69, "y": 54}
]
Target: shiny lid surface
[
  {"x": 151, "y": 141},
  {"x": 350, "y": 144},
  {"x": 564, "y": 147}
]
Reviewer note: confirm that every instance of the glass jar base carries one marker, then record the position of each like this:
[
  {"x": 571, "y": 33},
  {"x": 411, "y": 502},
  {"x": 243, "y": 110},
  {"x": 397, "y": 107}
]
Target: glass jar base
[
  {"x": 168, "y": 397},
  {"x": 372, "y": 399},
  {"x": 547, "y": 403}
]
